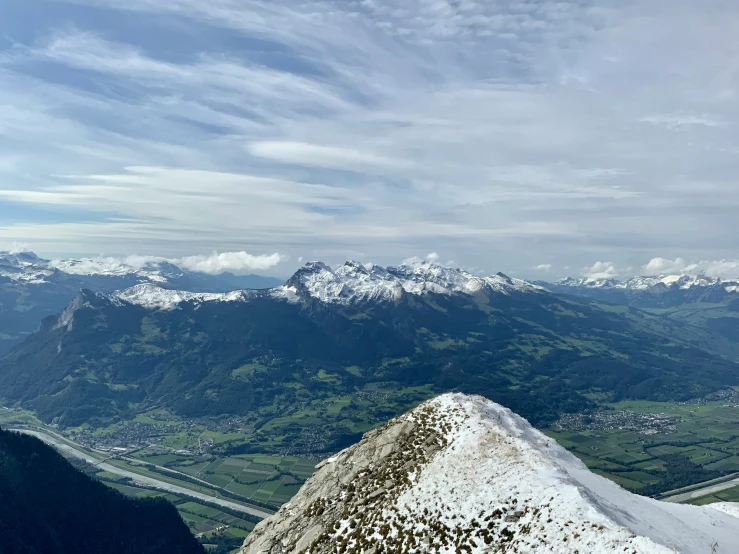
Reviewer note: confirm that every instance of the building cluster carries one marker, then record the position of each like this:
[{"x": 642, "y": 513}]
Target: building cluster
[{"x": 608, "y": 420}]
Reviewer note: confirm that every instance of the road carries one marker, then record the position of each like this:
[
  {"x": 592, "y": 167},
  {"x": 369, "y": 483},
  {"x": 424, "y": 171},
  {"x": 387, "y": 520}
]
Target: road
[
  {"x": 705, "y": 491},
  {"x": 142, "y": 479}
]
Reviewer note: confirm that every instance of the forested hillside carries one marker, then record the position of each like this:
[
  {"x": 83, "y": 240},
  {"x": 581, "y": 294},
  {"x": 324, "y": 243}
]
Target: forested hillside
[{"x": 49, "y": 507}]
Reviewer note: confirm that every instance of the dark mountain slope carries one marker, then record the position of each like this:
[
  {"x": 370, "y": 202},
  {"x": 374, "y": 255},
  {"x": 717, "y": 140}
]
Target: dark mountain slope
[
  {"x": 31, "y": 288},
  {"x": 48, "y": 507}
]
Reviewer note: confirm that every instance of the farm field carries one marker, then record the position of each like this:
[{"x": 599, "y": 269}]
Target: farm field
[
  {"x": 728, "y": 495},
  {"x": 209, "y": 523},
  {"x": 269, "y": 480},
  {"x": 696, "y": 442}
]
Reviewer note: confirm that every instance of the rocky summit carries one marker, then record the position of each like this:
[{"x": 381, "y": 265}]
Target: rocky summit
[{"x": 461, "y": 474}]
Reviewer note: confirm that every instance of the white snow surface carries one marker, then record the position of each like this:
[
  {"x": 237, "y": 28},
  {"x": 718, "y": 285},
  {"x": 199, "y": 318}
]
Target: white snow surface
[
  {"x": 354, "y": 281},
  {"x": 493, "y": 456},
  {"x": 24, "y": 267},
  {"x": 156, "y": 298},
  {"x": 731, "y": 508}
]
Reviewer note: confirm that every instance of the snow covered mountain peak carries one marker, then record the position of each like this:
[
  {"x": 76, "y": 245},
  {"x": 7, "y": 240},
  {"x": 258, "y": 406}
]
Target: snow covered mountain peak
[
  {"x": 654, "y": 283},
  {"x": 19, "y": 258},
  {"x": 344, "y": 284},
  {"x": 24, "y": 267},
  {"x": 150, "y": 270},
  {"x": 153, "y": 297},
  {"x": 354, "y": 281},
  {"x": 588, "y": 282},
  {"x": 27, "y": 267},
  {"x": 463, "y": 474}
]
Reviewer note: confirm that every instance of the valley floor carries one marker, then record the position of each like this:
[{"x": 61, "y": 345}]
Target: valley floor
[
  {"x": 681, "y": 452},
  {"x": 655, "y": 447}
]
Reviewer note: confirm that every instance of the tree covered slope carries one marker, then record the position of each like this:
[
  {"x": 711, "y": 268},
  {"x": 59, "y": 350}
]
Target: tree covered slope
[{"x": 49, "y": 507}]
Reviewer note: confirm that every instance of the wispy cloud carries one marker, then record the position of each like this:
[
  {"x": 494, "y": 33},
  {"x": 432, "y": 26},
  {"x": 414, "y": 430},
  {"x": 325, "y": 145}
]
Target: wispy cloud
[
  {"x": 323, "y": 128},
  {"x": 680, "y": 121},
  {"x": 213, "y": 264},
  {"x": 329, "y": 157}
]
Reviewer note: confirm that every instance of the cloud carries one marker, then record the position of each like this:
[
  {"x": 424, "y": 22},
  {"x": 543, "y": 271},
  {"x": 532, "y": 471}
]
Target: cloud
[
  {"x": 236, "y": 262},
  {"x": 332, "y": 157},
  {"x": 725, "y": 269},
  {"x": 214, "y": 264},
  {"x": 678, "y": 121},
  {"x": 18, "y": 247},
  {"x": 381, "y": 127},
  {"x": 543, "y": 267},
  {"x": 433, "y": 257},
  {"x": 663, "y": 266},
  {"x": 601, "y": 270}
]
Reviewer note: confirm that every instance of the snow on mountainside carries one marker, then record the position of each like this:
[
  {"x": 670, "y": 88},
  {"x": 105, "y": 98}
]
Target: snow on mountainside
[
  {"x": 108, "y": 274},
  {"x": 27, "y": 267},
  {"x": 152, "y": 271},
  {"x": 354, "y": 281},
  {"x": 654, "y": 283},
  {"x": 463, "y": 474},
  {"x": 154, "y": 297},
  {"x": 24, "y": 267},
  {"x": 347, "y": 283}
]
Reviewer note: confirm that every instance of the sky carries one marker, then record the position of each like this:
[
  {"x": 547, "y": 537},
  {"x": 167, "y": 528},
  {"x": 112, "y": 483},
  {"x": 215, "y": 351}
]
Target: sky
[{"x": 538, "y": 138}]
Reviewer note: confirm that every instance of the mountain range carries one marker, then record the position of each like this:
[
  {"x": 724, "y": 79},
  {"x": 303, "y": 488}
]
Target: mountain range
[
  {"x": 463, "y": 474},
  {"x": 374, "y": 340},
  {"x": 32, "y": 288},
  {"x": 664, "y": 291}
]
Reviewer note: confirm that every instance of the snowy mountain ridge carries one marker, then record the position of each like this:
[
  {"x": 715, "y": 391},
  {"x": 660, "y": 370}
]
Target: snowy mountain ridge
[
  {"x": 345, "y": 284},
  {"x": 354, "y": 281},
  {"x": 463, "y": 474},
  {"x": 25, "y": 267},
  {"x": 154, "y": 297},
  {"x": 28, "y": 268},
  {"x": 656, "y": 283}
]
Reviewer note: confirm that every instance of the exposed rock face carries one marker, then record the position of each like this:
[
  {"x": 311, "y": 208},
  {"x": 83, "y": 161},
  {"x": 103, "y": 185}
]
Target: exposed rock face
[{"x": 462, "y": 474}]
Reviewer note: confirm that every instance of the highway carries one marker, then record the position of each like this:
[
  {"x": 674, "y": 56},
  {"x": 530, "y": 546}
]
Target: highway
[
  {"x": 705, "y": 491},
  {"x": 142, "y": 479}
]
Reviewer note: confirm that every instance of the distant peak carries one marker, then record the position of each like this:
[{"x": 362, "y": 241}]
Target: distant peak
[
  {"x": 359, "y": 266},
  {"x": 504, "y": 277},
  {"x": 85, "y": 299},
  {"x": 354, "y": 281},
  {"x": 649, "y": 282},
  {"x": 316, "y": 266},
  {"x": 25, "y": 257}
]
